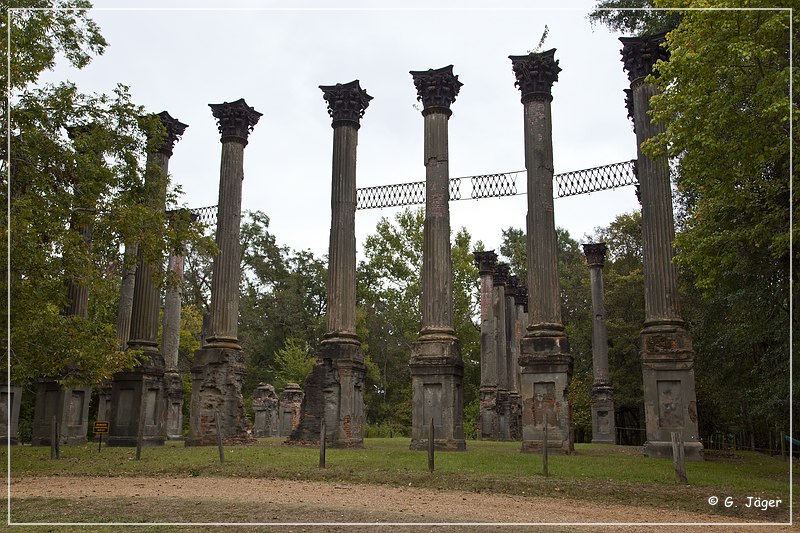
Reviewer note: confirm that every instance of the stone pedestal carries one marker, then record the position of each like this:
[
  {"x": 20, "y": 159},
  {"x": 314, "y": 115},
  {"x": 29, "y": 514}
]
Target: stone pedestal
[
  {"x": 544, "y": 351},
  {"x": 265, "y": 409},
  {"x": 70, "y": 407},
  {"x": 436, "y": 366},
  {"x": 666, "y": 346},
  {"x": 335, "y": 389},
  {"x": 291, "y": 401},
  {"x": 138, "y": 396},
  {"x": 604, "y": 429},
  {"x": 219, "y": 365},
  {"x": 173, "y": 386},
  {"x": 10, "y": 399}
]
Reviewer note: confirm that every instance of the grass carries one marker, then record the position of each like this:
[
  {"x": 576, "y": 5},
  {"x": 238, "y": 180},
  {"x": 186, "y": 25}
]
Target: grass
[{"x": 600, "y": 473}]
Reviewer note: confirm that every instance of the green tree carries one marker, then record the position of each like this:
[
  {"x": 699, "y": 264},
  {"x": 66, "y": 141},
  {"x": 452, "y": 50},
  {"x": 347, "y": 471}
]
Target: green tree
[
  {"x": 293, "y": 363},
  {"x": 76, "y": 186}
]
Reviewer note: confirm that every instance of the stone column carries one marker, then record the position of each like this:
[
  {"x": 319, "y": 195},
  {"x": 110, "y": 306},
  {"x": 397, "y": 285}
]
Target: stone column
[
  {"x": 436, "y": 367},
  {"x": 139, "y": 393},
  {"x": 544, "y": 352},
  {"x": 486, "y": 263},
  {"x": 70, "y": 405},
  {"x": 499, "y": 303},
  {"x": 666, "y": 346},
  {"x": 171, "y": 335},
  {"x": 219, "y": 365},
  {"x": 604, "y": 429},
  {"x": 10, "y": 401},
  {"x": 265, "y": 409},
  {"x": 335, "y": 388},
  {"x": 512, "y": 360},
  {"x": 291, "y": 401},
  {"x": 520, "y": 325}
]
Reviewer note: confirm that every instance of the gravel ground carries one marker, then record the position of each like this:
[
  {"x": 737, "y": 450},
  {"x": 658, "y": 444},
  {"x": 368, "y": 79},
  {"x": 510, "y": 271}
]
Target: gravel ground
[{"x": 305, "y": 501}]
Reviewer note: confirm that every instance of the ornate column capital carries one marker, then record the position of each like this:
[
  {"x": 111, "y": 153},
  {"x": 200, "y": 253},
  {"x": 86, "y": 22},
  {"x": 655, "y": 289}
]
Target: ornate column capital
[
  {"x": 500, "y": 276},
  {"x": 175, "y": 129},
  {"x": 536, "y": 73},
  {"x": 512, "y": 283},
  {"x": 485, "y": 261},
  {"x": 436, "y": 89},
  {"x": 346, "y": 103},
  {"x": 235, "y": 120},
  {"x": 595, "y": 254},
  {"x": 639, "y": 55}
]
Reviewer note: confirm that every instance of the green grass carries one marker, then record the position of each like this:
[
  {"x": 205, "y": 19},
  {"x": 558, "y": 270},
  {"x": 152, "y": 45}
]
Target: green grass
[{"x": 601, "y": 473}]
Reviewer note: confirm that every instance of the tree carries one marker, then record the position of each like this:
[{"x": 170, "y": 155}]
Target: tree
[
  {"x": 76, "y": 186},
  {"x": 293, "y": 363}
]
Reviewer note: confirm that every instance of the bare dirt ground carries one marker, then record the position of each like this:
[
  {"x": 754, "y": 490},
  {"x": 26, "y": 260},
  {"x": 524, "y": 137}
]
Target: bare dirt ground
[{"x": 191, "y": 499}]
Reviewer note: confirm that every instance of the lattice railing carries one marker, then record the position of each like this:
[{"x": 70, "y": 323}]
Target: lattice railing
[{"x": 596, "y": 179}]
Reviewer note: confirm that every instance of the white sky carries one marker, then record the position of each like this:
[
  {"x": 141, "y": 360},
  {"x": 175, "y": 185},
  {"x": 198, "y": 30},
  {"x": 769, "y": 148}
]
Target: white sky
[{"x": 182, "y": 60}]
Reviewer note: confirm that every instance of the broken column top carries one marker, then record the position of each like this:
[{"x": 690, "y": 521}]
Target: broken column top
[
  {"x": 639, "y": 55},
  {"x": 500, "y": 275},
  {"x": 512, "y": 283},
  {"x": 536, "y": 73},
  {"x": 346, "y": 103},
  {"x": 436, "y": 89},
  {"x": 595, "y": 254},
  {"x": 485, "y": 261},
  {"x": 235, "y": 120}
]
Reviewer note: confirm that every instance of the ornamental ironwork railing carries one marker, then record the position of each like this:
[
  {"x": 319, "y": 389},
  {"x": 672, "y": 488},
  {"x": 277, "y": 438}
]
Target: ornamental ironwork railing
[{"x": 483, "y": 186}]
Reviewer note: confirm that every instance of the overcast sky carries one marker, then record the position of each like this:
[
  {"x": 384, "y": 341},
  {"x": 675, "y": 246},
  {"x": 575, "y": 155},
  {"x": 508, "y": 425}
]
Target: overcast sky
[{"x": 181, "y": 60}]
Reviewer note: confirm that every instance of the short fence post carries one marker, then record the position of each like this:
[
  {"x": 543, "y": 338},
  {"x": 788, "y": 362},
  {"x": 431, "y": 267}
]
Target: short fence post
[
  {"x": 430, "y": 447},
  {"x": 219, "y": 438},
  {"x": 54, "y": 439},
  {"x": 544, "y": 448},
  {"x": 322, "y": 444},
  {"x": 678, "y": 457}
]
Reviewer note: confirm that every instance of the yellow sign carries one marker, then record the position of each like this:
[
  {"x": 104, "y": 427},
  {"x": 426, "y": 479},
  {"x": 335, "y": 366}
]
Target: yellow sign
[{"x": 101, "y": 428}]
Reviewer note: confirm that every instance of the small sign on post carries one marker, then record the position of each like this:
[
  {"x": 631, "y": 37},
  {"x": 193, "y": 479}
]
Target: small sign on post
[{"x": 100, "y": 428}]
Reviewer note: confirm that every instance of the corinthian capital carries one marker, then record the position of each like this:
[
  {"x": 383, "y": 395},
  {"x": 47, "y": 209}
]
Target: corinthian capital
[
  {"x": 346, "y": 102},
  {"x": 436, "y": 89},
  {"x": 639, "y": 55},
  {"x": 536, "y": 73},
  {"x": 235, "y": 120}
]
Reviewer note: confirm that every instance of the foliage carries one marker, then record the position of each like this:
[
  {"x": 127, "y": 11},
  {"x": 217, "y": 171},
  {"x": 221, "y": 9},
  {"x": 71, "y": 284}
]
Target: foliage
[
  {"x": 77, "y": 187},
  {"x": 633, "y": 17},
  {"x": 293, "y": 363}
]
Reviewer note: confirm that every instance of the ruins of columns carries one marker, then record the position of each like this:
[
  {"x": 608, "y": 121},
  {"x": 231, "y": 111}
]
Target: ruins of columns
[
  {"x": 137, "y": 395},
  {"x": 334, "y": 392},
  {"x": 544, "y": 352},
  {"x": 604, "y": 429},
  {"x": 436, "y": 366},
  {"x": 513, "y": 339},
  {"x": 666, "y": 347},
  {"x": 219, "y": 365},
  {"x": 488, "y": 422},
  {"x": 171, "y": 334},
  {"x": 69, "y": 406}
]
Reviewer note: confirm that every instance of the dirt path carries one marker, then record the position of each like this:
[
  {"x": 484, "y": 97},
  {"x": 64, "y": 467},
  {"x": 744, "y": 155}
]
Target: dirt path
[{"x": 304, "y": 501}]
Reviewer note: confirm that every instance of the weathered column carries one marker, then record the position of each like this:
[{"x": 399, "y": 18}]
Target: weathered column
[
  {"x": 219, "y": 365},
  {"x": 666, "y": 347},
  {"x": 70, "y": 405},
  {"x": 139, "y": 393},
  {"x": 604, "y": 429},
  {"x": 265, "y": 410},
  {"x": 289, "y": 408},
  {"x": 436, "y": 367},
  {"x": 512, "y": 360},
  {"x": 171, "y": 335},
  {"x": 499, "y": 303},
  {"x": 544, "y": 352},
  {"x": 10, "y": 401},
  {"x": 520, "y": 325},
  {"x": 335, "y": 389},
  {"x": 486, "y": 263}
]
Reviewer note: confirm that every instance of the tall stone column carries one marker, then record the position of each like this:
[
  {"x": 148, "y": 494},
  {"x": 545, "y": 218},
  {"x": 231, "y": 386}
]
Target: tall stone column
[
  {"x": 666, "y": 346},
  {"x": 219, "y": 365},
  {"x": 437, "y": 370},
  {"x": 604, "y": 429},
  {"x": 488, "y": 422},
  {"x": 335, "y": 389},
  {"x": 70, "y": 405},
  {"x": 139, "y": 393},
  {"x": 520, "y": 325},
  {"x": 512, "y": 360},
  {"x": 544, "y": 352},
  {"x": 499, "y": 280},
  {"x": 171, "y": 335}
]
